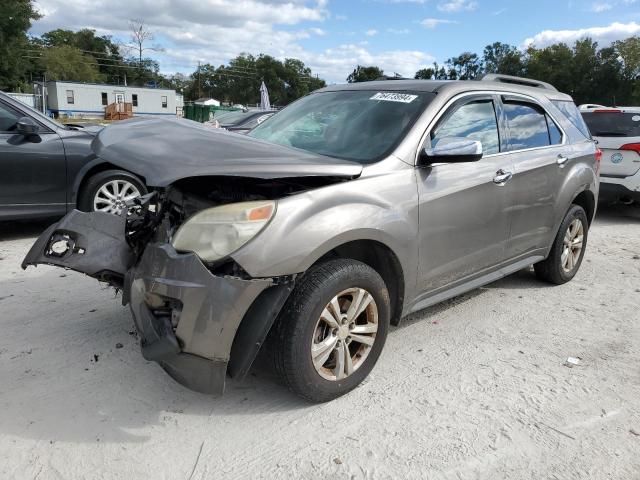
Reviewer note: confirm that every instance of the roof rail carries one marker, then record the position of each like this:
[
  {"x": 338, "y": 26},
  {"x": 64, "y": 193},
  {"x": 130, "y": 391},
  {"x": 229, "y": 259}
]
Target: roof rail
[
  {"x": 389, "y": 77},
  {"x": 525, "y": 82}
]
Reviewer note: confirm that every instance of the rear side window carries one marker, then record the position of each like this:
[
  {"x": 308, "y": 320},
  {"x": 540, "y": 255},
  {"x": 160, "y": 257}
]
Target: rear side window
[
  {"x": 613, "y": 124},
  {"x": 572, "y": 113},
  {"x": 527, "y": 126},
  {"x": 555, "y": 135},
  {"x": 475, "y": 120}
]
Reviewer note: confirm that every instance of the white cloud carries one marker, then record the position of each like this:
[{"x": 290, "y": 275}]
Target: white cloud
[
  {"x": 454, "y": 6},
  {"x": 434, "y": 22},
  {"x": 602, "y": 35},
  {"x": 399, "y": 31},
  {"x": 214, "y": 31},
  {"x": 371, "y": 33},
  {"x": 601, "y": 7}
]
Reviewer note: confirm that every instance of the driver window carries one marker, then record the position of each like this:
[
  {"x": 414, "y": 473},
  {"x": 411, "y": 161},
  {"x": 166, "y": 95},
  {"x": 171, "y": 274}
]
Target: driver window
[
  {"x": 474, "y": 120},
  {"x": 8, "y": 118}
]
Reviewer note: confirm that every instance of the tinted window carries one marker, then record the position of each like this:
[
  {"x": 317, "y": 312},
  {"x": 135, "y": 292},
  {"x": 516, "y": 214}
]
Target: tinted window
[
  {"x": 352, "y": 124},
  {"x": 134, "y": 100},
  {"x": 527, "y": 126},
  {"x": 8, "y": 118},
  {"x": 555, "y": 135},
  {"x": 573, "y": 114},
  {"x": 105, "y": 99},
  {"x": 613, "y": 124},
  {"x": 475, "y": 120}
]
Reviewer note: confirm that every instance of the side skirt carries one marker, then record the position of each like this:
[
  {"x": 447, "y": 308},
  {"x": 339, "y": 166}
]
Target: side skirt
[{"x": 468, "y": 285}]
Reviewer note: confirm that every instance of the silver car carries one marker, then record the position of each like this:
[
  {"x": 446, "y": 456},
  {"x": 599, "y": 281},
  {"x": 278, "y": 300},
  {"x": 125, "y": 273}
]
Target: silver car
[{"x": 335, "y": 218}]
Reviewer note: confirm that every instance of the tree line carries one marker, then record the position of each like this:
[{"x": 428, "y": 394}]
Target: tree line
[
  {"x": 83, "y": 56},
  {"x": 590, "y": 74}
]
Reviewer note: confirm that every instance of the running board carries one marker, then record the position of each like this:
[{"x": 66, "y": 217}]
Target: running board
[{"x": 475, "y": 283}]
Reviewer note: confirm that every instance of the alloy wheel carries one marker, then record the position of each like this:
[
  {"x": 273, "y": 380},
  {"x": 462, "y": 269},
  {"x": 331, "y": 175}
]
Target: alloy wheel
[
  {"x": 344, "y": 334},
  {"x": 112, "y": 197},
  {"x": 572, "y": 245}
]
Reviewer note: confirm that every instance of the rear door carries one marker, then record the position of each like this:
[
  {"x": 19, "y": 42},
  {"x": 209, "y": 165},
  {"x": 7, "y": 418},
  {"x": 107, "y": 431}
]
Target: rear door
[
  {"x": 33, "y": 169},
  {"x": 536, "y": 145},
  {"x": 464, "y": 207},
  {"x": 618, "y": 136}
]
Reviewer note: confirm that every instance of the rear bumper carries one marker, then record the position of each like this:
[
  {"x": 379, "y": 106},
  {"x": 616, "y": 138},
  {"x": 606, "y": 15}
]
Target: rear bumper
[
  {"x": 188, "y": 318},
  {"x": 614, "y": 187}
]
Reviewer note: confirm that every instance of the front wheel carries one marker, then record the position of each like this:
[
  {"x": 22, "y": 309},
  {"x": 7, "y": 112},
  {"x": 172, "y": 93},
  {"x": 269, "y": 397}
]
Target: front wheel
[
  {"x": 332, "y": 330},
  {"x": 109, "y": 191},
  {"x": 568, "y": 249}
]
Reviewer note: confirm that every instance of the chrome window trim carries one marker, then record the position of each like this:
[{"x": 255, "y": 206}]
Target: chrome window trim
[{"x": 471, "y": 93}]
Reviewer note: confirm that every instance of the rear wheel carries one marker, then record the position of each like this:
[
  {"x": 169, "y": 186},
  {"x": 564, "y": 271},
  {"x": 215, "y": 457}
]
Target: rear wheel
[
  {"x": 568, "y": 249},
  {"x": 109, "y": 191},
  {"x": 332, "y": 330}
]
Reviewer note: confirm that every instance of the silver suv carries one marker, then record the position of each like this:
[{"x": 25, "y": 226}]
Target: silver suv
[{"x": 346, "y": 211}]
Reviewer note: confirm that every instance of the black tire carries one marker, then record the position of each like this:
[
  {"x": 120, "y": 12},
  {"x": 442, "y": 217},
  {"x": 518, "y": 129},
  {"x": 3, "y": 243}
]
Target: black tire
[
  {"x": 551, "y": 269},
  {"x": 97, "y": 181},
  {"x": 290, "y": 340}
]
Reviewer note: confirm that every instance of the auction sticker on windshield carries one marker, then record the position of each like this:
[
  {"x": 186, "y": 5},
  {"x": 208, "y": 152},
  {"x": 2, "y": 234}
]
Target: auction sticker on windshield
[{"x": 394, "y": 97}]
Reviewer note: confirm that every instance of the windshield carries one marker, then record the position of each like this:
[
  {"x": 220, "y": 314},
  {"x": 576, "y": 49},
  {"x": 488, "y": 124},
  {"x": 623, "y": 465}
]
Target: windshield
[
  {"x": 613, "y": 124},
  {"x": 352, "y": 124}
]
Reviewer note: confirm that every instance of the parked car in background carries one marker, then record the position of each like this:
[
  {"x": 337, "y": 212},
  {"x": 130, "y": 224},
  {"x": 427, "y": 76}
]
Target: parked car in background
[
  {"x": 351, "y": 208},
  {"x": 617, "y": 131},
  {"x": 48, "y": 169},
  {"x": 240, "y": 121}
]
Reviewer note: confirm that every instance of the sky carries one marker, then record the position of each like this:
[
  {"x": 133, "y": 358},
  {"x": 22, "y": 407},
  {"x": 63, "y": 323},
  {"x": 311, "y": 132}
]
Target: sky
[{"x": 333, "y": 36}]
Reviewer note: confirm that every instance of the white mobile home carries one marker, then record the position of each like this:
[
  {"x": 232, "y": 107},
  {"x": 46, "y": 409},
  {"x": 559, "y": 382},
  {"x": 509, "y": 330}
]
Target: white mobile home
[{"x": 76, "y": 99}]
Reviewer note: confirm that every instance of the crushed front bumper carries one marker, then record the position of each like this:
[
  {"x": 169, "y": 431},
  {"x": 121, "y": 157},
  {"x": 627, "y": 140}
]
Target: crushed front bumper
[
  {"x": 188, "y": 317},
  {"x": 190, "y": 320}
]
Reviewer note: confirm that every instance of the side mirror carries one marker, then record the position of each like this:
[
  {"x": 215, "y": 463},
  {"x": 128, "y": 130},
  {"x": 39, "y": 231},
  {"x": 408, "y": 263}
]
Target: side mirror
[
  {"x": 452, "y": 150},
  {"x": 26, "y": 126}
]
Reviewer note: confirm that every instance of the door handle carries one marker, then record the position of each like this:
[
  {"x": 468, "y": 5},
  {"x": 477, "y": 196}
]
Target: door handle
[
  {"x": 562, "y": 160},
  {"x": 502, "y": 177}
]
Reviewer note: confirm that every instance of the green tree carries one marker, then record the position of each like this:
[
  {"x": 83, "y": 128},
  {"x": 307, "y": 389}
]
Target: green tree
[
  {"x": 629, "y": 53},
  {"x": 365, "y": 74},
  {"x": 15, "y": 21},
  {"x": 432, "y": 73},
  {"x": 69, "y": 63},
  {"x": 503, "y": 58},
  {"x": 465, "y": 66}
]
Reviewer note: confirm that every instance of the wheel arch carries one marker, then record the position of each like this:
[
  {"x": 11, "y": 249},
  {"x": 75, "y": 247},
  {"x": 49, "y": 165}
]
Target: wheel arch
[
  {"x": 587, "y": 200},
  {"x": 88, "y": 171}
]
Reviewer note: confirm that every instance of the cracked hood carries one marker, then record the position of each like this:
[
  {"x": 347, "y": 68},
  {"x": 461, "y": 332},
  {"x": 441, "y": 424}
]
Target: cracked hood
[{"x": 164, "y": 150}]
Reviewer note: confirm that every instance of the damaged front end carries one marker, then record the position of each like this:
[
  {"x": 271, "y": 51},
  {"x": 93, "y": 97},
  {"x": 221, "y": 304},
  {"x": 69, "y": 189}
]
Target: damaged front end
[{"x": 200, "y": 321}]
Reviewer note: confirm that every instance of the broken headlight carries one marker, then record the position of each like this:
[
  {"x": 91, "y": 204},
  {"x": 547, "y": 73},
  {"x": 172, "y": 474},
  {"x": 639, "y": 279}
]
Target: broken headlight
[{"x": 216, "y": 232}]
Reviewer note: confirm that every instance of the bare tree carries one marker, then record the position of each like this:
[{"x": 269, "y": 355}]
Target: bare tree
[{"x": 140, "y": 36}]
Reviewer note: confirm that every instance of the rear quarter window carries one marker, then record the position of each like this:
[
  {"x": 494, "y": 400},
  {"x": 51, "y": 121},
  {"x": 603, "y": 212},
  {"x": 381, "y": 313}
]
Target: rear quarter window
[{"x": 572, "y": 113}]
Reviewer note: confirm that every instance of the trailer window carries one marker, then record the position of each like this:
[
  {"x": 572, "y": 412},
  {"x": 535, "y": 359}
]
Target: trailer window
[
  {"x": 164, "y": 102},
  {"x": 134, "y": 100},
  {"x": 105, "y": 99},
  {"x": 70, "y": 97}
]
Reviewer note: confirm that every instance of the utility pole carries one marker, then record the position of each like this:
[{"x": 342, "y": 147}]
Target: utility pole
[
  {"x": 199, "y": 84},
  {"x": 44, "y": 97}
]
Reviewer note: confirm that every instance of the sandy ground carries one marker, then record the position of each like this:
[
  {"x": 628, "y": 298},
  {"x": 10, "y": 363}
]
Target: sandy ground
[{"x": 474, "y": 388}]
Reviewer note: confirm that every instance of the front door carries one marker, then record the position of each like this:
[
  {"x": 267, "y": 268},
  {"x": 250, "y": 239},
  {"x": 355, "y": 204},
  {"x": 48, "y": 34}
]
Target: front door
[
  {"x": 33, "y": 169},
  {"x": 119, "y": 97},
  {"x": 464, "y": 221}
]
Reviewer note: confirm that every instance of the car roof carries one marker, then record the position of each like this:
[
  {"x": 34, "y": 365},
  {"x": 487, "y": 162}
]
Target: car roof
[{"x": 449, "y": 86}]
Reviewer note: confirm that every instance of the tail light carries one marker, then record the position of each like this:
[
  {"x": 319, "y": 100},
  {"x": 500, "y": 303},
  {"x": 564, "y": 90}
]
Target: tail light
[
  {"x": 633, "y": 147},
  {"x": 598, "y": 160}
]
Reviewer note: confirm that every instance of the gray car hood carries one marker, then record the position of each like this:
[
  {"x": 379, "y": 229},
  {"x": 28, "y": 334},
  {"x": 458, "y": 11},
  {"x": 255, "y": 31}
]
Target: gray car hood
[{"x": 164, "y": 150}]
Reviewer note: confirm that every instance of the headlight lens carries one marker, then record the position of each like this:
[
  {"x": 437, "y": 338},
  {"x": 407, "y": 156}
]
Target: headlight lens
[{"x": 216, "y": 232}]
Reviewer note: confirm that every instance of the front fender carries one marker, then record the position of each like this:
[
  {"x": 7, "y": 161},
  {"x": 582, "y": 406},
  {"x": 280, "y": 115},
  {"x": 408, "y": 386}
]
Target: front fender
[{"x": 308, "y": 225}]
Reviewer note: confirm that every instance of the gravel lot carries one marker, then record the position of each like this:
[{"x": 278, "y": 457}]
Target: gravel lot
[{"x": 474, "y": 388}]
